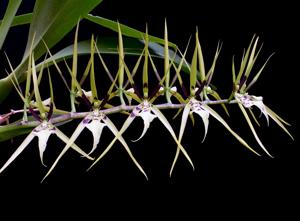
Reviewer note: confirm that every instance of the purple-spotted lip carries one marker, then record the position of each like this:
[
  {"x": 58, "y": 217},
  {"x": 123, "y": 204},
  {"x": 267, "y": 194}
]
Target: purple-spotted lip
[
  {"x": 86, "y": 120},
  {"x": 195, "y": 105},
  {"x": 99, "y": 116}
]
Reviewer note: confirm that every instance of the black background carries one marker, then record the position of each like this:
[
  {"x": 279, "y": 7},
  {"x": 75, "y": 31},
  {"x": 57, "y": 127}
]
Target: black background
[{"x": 228, "y": 178}]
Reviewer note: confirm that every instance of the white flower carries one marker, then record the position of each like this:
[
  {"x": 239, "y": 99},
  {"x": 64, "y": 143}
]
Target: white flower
[
  {"x": 94, "y": 122},
  {"x": 43, "y": 132},
  {"x": 196, "y": 107},
  {"x": 250, "y": 100},
  {"x": 143, "y": 110}
]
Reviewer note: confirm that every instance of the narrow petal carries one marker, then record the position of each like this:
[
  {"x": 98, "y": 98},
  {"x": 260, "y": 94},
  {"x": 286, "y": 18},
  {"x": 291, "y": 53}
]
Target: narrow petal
[
  {"x": 96, "y": 127},
  {"x": 184, "y": 118},
  {"x": 19, "y": 150},
  {"x": 126, "y": 124},
  {"x": 115, "y": 131},
  {"x": 253, "y": 130},
  {"x": 223, "y": 122},
  {"x": 65, "y": 139},
  {"x": 69, "y": 144},
  {"x": 167, "y": 125},
  {"x": 279, "y": 121},
  {"x": 262, "y": 108}
]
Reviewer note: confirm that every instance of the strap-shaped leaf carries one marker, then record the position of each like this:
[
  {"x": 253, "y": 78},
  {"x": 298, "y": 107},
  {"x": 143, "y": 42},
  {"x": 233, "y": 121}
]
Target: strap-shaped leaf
[
  {"x": 9, "y": 15},
  {"x": 47, "y": 22},
  {"x": 47, "y": 25},
  {"x": 126, "y": 31},
  {"x": 23, "y": 19},
  {"x": 121, "y": 58}
]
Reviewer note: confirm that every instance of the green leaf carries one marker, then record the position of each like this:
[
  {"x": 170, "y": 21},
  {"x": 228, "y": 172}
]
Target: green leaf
[
  {"x": 47, "y": 21},
  {"x": 121, "y": 58},
  {"x": 105, "y": 45},
  {"x": 23, "y": 19},
  {"x": 10, "y": 131},
  {"x": 126, "y": 31},
  {"x": 47, "y": 25},
  {"x": 223, "y": 122},
  {"x": 10, "y": 12},
  {"x": 253, "y": 130}
]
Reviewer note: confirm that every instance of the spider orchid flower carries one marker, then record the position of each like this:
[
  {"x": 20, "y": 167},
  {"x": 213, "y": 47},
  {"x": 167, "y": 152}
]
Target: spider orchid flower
[
  {"x": 148, "y": 112},
  {"x": 195, "y": 106},
  {"x": 144, "y": 110},
  {"x": 43, "y": 131},
  {"x": 95, "y": 121},
  {"x": 247, "y": 101},
  {"x": 250, "y": 100}
]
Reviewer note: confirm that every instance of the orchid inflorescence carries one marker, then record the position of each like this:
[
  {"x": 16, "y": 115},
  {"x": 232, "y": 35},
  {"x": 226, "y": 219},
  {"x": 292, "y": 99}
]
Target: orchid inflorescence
[{"x": 198, "y": 100}]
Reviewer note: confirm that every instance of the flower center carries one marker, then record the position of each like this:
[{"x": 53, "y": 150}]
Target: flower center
[{"x": 195, "y": 105}]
